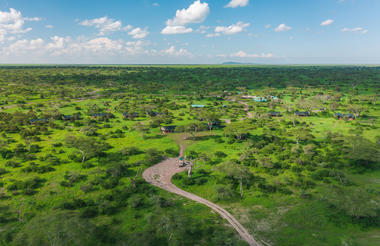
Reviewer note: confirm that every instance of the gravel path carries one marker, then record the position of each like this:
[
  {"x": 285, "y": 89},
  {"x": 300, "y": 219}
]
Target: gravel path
[{"x": 160, "y": 175}]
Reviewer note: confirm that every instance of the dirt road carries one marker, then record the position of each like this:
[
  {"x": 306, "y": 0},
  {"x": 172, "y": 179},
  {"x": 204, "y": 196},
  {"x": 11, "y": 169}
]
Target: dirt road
[
  {"x": 160, "y": 175},
  {"x": 246, "y": 109}
]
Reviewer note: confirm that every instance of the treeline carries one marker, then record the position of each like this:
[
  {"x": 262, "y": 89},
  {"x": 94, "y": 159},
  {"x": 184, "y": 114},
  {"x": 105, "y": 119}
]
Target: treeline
[{"x": 198, "y": 80}]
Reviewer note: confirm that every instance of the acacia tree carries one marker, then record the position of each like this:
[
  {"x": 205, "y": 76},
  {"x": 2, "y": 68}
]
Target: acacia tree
[
  {"x": 210, "y": 118},
  {"x": 193, "y": 128},
  {"x": 302, "y": 134},
  {"x": 362, "y": 152},
  {"x": 237, "y": 172},
  {"x": 356, "y": 109},
  {"x": 203, "y": 157},
  {"x": 309, "y": 104},
  {"x": 139, "y": 127},
  {"x": 238, "y": 129},
  {"x": 87, "y": 146}
]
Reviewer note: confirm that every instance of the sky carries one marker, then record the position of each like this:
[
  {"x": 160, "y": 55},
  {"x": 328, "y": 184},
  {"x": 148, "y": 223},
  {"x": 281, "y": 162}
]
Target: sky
[{"x": 189, "y": 31}]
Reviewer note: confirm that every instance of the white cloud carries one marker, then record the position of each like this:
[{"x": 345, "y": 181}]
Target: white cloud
[
  {"x": 282, "y": 28},
  {"x": 237, "y": 3},
  {"x": 82, "y": 50},
  {"x": 49, "y": 26},
  {"x": 327, "y": 22},
  {"x": 59, "y": 46},
  {"x": 137, "y": 47},
  {"x": 138, "y": 33},
  {"x": 267, "y": 26},
  {"x": 57, "y": 43},
  {"x": 176, "y": 30},
  {"x": 197, "y": 12},
  {"x": 176, "y": 52},
  {"x": 103, "y": 44},
  {"x": 12, "y": 22},
  {"x": 232, "y": 29},
  {"x": 155, "y": 4},
  {"x": 242, "y": 54},
  {"x": 355, "y": 30},
  {"x": 106, "y": 25},
  {"x": 21, "y": 47}
]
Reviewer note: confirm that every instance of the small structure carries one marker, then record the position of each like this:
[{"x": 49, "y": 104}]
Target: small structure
[
  {"x": 345, "y": 116},
  {"x": 153, "y": 113},
  {"x": 168, "y": 129},
  {"x": 197, "y": 106},
  {"x": 71, "y": 117},
  {"x": 39, "y": 121},
  {"x": 67, "y": 117},
  {"x": 182, "y": 162},
  {"x": 259, "y": 99},
  {"x": 275, "y": 114},
  {"x": 302, "y": 114}
]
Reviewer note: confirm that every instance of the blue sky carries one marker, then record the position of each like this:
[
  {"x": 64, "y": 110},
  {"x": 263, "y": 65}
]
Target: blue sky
[{"x": 190, "y": 31}]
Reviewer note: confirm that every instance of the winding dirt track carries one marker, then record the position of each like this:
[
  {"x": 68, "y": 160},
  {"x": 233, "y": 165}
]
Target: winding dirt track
[{"x": 160, "y": 175}]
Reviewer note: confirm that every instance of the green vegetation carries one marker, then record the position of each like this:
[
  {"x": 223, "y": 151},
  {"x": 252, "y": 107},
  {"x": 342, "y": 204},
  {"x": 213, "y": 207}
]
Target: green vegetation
[{"x": 74, "y": 141}]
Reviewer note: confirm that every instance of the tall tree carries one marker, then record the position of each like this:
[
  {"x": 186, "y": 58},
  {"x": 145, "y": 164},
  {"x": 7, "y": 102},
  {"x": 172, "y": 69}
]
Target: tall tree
[
  {"x": 211, "y": 118},
  {"x": 88, "y": 146},
  {"x": 238, "y": 129},
  {"x": 362, "y": 152},
  {"x": 238, "y": 172}
]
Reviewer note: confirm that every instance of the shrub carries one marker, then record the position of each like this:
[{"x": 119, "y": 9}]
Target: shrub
[
  {"x": 220, "y": 154},
  {"x": 3, "y": 171},
  {"x": 136, "y": 201},
  {"x": 87, "y": 188},
  {"x": 201, "y": 181},
  {"x": 224, "y": 193},
  {"x": 131, "y": 151},
  {"x": 89, "y": 212},
  {"x": 171, "y": 152},
  {"x": 13, "y": 164},
  {"x": 153, "y": 156}
]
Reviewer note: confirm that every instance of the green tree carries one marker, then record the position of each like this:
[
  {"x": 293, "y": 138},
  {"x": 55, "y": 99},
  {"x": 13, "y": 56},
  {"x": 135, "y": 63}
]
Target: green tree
[
  {"x": 362, "y": 152},
  {"x": 193, "y": 128},
  {"x": 89, "y": 147},
  {"x": 302, "y": 134},
  {"x": 237, "y": 172},
  {"x": 356, "y": 109},
  {"x": 210, "y": 117},
  {"x": 238, "y": 129}
]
